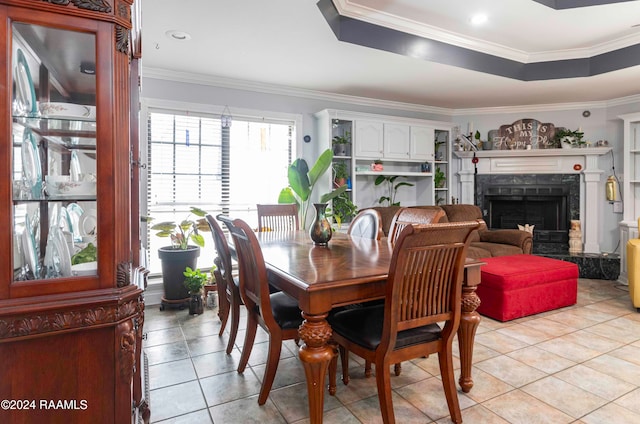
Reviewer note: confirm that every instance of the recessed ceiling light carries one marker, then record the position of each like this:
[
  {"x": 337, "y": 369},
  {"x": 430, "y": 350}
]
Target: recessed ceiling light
[
  {"x": 178, "y": 35},
  {"x": 478, "y": 19}
]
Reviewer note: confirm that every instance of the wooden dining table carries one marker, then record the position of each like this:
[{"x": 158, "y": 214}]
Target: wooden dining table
[{"x": 346, "y": 271}]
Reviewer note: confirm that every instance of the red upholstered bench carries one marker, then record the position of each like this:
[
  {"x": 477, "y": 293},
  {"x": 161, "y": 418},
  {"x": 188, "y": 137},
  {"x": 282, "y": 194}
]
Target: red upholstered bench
[{"x": 520, "y": 285}]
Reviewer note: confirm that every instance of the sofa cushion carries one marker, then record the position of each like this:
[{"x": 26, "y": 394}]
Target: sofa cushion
[
  {"x": 475, "y": 252},
  {"x": 497, "y": 249}
]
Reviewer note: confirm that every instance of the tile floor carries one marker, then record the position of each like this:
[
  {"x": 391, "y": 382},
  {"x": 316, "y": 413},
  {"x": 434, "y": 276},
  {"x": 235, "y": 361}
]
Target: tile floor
[{"x": 579, "y": 364}]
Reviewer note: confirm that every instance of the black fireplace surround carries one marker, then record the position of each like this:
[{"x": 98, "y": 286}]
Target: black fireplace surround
[{"x": 548, "y": 201}]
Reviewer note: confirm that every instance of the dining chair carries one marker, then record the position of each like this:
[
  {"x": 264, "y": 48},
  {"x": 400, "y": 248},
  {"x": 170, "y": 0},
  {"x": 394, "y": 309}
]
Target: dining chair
[
  {"x": 406, "y": 216},
  {"x": 278, "y": 217},
  {"x": 424, "y": 288},
  {"x": 367, "y": 223},
  {"x": 229, "y": 300},
  {"x": 401, "y": 219},
  {"x": 277, "y": 313}
]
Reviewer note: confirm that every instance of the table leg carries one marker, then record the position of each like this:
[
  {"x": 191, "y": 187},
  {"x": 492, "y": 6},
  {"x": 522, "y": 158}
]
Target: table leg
[
  {"x": 469, "y": 322},
  {"x": 315, "y": 355}
]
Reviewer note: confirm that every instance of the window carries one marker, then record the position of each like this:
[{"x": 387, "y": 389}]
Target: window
[{"x": 193, "y": 161}]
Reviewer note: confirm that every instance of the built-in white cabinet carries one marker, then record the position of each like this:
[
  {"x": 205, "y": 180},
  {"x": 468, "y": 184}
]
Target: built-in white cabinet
[
  {"x": 630, "y": 188},
  {"x": 370, "y": 136},
  {"x": 422, "y": 143},
  {"x": 403, "y": 147}
]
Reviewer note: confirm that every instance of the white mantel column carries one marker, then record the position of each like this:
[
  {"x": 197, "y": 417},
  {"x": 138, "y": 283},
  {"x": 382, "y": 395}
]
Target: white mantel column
[
  {"x": 467, "y": 182},
  {"x": 592, "y": 175}
]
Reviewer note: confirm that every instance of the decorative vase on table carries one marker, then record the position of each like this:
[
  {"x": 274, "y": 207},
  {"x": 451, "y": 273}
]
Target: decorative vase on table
[{"x": 320, "y": 230}]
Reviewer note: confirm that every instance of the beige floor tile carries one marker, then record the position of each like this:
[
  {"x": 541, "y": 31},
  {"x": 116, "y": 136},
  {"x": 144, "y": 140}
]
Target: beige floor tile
[
  {"x": 368, "y": 411},
  {"x": 486, "y": 386},
  {"x": 292, "y": 402},
  {"x": 477, "y": 414},
  {"x": 518, "y": 407},
  {"x": 592, "y": 341},
  {"x": 628, "y": 353},
  {"x": 631, "y": 401},
  {"x": 612, "y": 414},
  {"x": 198, "y": 417},
  {"x": 170, "y": 373},
  {"x": 563, "y": 346},
  {"x": 568, "y": 398},
  {"x": 550, "y": 327},
  {"x": 176, "y": 400},
  {"x": 541, "y": 359},
  {"x": 428, "y": 396},
  {"x": 510, "y": 371},
  {"x": 246, "y": 410},
  {"x": 595, "y": 382},
  {"x": 615, "y": 367},
  {"x": 580, "y": 317},
  {"x": 499, "y": 342},
  {"x": 340, "y": 415},
  {"x": 524, "y": 333}
]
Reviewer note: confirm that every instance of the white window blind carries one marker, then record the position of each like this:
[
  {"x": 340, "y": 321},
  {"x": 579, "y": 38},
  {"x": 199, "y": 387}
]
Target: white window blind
[{"x": 193, "y": 161}]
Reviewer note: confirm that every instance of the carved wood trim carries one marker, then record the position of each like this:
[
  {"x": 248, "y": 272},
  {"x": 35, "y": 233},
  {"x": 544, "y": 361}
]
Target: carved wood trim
[
  {"x": 123, "y": 274},
  {"x": 62, "y": 321},
  {"x": 122, "y": 39},
  {"x": 95, "y": 5},
  {"x": 127, "y": 349}
]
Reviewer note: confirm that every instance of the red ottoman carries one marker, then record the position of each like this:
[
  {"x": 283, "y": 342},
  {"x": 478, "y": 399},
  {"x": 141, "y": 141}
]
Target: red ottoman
[{"x": 520, "y": 285}]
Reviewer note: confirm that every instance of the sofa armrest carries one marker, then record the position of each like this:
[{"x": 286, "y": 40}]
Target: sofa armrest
[{"x": 521, "y": 239}]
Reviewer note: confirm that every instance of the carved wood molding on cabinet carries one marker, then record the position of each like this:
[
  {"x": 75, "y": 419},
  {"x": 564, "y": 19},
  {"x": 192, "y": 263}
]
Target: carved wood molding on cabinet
[
  {"x": 95, "y": 5},
  {"x": 41, "y": 322}
]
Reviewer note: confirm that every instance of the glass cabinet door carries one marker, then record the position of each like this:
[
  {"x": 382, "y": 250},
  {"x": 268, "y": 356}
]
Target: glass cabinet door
[{"x": 55, "y": 216}]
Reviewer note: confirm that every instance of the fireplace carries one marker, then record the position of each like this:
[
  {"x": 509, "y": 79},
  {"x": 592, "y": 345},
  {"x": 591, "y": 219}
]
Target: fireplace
[{"x": 548, "y": 201}]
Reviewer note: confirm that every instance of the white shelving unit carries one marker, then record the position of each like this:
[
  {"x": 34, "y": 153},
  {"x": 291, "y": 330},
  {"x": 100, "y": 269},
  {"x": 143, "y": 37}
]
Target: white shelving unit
[
  {"x": 405, "y": 146},
  {"x": 630, "y": 188}
]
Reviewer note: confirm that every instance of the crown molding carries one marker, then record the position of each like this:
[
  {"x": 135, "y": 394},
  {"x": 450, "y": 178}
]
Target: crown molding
[
  {"x": 547, "y": 107},
  {"x": 216, "y": 81},
  {"x": 377, "y": 17}
]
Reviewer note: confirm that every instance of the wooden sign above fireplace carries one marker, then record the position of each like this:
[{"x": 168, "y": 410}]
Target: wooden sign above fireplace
[{"x": 524, "y": 134}]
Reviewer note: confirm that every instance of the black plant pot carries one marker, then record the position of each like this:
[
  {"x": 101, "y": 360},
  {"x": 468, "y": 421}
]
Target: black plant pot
[{"x": 174, "y": 262}]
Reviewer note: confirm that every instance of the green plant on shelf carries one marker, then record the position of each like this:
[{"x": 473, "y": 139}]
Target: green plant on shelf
[
  {"x": 439, "y": 179},
  {"x": 340, "y": 171},
  {"x": 391, "y": 187}
]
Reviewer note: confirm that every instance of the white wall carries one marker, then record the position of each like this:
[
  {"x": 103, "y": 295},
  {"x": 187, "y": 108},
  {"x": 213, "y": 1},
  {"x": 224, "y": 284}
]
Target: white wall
[{"x": 602, "y": 124}]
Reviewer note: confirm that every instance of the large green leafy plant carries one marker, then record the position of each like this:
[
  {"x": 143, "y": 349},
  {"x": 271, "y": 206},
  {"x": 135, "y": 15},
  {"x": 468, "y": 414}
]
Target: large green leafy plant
[
  {"x": 302, "y": 181},
  {"x": 392, "y": 188},
  {"x": 185, "y": 231}
]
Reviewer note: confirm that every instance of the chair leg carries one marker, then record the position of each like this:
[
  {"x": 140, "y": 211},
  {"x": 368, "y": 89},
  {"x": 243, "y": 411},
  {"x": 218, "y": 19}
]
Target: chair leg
[
  {"x": 397, "y": 368},
  {"x": 344, "y": 356},
  {"x": 249, "y": 337},
  {"x": 223, "y": 308},
  {"x": 367, "y": 369},
  {"x": 275, "y": 347},
  {"x": 445, "y": 360},
  {"x": 383, "y": 383},
  {"x": 235, "y": 323}
]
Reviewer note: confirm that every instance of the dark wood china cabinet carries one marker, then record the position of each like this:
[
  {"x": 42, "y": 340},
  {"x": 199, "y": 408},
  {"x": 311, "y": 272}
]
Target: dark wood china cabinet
[{"x": 71, "y": 303}]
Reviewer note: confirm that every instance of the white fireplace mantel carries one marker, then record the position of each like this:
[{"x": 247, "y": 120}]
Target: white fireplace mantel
[{"x": 582, "y": 161}]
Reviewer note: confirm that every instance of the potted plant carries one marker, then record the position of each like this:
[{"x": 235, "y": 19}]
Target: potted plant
[
  {"x": 302, "y": 181},
  {"x": 341, "y": 144},
  {"x": 567, "y": 139},
  {"x": 438, "y": 154},
  {"x": 343, "y": 209},
  {"x": 340, "y": 173},
  {"x": 439, "y": 178},
  {"x": 194, "y": 281},
  {"x": 180, "y": 254},
  {"x": 392, "y": 188}
]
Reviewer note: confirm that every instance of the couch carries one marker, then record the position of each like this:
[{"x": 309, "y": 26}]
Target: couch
[{"x": 485, "y": 243}]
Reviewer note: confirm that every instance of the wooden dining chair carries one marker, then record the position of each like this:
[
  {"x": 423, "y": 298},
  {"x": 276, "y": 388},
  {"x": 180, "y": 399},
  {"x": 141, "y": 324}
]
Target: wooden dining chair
[
  {"x": 278, "y": 217},
  {"x": 229, "y": 300},
  {"x": 407, "y": 216},
  {"x": 424, "y": 288},
  {"x": 277, "y": 313},
  {"x": 402, "y": 218},
  {"x": 367, "y": 223}
]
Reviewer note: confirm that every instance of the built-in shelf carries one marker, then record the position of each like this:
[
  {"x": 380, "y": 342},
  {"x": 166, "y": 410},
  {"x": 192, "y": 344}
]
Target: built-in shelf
[{"x": 399, "y": 173}]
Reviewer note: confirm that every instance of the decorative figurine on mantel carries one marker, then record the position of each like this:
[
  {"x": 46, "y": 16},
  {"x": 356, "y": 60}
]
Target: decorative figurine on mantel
[{"x": 575, "y": 237}]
